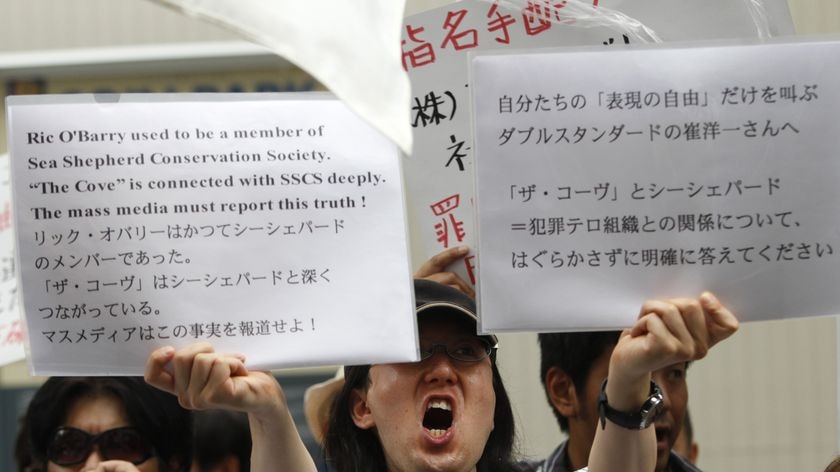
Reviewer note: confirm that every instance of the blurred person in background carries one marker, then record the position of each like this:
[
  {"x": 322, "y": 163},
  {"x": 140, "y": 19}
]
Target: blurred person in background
[
  {"x": 221, "y": 441},
  {"x": 107, "y": 424}
]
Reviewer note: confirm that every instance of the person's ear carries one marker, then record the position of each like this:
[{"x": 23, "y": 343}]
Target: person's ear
[
  {"x": 359, "y": 409},
  {"x": 561, "y": 392},
  {"x": 693, "y": 452}
]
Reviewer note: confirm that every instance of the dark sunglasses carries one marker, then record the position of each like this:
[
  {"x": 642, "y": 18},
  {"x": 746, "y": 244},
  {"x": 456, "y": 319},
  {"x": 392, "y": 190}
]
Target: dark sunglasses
[{"x": 70, "y": 446}]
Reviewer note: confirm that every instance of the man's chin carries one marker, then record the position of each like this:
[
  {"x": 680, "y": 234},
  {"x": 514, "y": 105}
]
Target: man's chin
[
  {"x": 664, "y": 443},
  {"x": 662, "y": 457}
]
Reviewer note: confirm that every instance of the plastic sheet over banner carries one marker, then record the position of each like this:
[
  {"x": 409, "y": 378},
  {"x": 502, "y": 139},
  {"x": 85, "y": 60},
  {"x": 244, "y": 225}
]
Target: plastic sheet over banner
[{"x": 435, "y": 48}]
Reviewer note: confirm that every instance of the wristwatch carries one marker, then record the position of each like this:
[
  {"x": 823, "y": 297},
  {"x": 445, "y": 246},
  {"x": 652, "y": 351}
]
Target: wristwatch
[{"x": 638, "y": 420}]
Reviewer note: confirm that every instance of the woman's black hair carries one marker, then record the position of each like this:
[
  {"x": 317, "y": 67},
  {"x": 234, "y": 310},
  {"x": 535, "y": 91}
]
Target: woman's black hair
[
  {"x": 23, "y": 457},
  {"x": 351, "y": 449},
  {"x": 157, "y": 415}
]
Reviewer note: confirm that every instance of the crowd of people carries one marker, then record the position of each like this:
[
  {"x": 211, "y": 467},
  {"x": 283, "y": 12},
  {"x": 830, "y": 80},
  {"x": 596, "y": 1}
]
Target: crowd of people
[{"x": 620, "y": 397}]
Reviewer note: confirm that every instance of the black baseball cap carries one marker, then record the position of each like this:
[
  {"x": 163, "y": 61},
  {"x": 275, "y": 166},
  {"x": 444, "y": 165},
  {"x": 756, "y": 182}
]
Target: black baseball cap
[{"x": 432, "y": 296}]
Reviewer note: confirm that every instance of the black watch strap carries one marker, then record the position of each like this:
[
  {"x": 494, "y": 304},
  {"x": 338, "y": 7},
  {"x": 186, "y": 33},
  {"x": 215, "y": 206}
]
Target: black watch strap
[{"x": 637, "y": 420}]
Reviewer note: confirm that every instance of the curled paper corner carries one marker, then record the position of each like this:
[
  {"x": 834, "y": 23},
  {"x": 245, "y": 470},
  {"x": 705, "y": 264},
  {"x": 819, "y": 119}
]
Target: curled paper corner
[
  {"x": 352, "y": 48},
  {"x": 394, "y": 121}
]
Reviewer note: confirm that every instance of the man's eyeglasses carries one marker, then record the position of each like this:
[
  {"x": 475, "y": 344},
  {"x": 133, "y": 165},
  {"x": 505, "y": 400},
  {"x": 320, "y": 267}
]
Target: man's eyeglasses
[
  {"x": 70, "y": 446},
  {"x": 465, "y": 350}
]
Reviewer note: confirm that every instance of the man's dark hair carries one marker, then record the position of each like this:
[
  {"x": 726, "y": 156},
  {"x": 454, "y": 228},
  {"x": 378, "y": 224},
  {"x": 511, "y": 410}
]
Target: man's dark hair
[
  {"x": 218, "y": 434},
  {"x": 156, "y": 414},
  {"x": 352, "y": 449},
  {"x": 574, "y": 353}
]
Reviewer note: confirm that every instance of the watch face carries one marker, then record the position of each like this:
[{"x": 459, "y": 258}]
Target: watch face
[{"x": 651, "y": 409}]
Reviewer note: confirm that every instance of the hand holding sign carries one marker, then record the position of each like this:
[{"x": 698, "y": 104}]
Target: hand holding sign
[
  {"x": 672, "y": 331},
  {"x": 435, "y": 269}
]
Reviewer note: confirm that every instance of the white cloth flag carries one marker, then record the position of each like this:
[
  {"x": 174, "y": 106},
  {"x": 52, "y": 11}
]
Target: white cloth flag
[{"x": 353, "y": 48}]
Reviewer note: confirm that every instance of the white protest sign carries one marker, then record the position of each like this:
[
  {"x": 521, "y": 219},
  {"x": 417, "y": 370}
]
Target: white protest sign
[
  {"x": 439, "y": 174},
  {"x": 270, "y": 225},
  {"x": 11, "y": 326},
  {"x": 657, "y": 173}
]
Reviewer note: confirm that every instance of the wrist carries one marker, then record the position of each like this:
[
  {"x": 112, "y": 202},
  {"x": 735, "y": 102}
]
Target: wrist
[
  {"x": 635, "y": 418},
  {"x": 272, "y": 412},
  {"x": 627, "y": 392}
]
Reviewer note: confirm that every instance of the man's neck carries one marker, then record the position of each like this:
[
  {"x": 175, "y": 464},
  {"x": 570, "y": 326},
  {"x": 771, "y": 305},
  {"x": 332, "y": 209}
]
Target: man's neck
[{"x": 577, "y": 453}]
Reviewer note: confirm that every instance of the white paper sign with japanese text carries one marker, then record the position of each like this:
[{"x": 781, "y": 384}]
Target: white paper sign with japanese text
[
  {"x": 11, "y": 326},
  {"x": 656, "y": 173},
  {"x": 269, "y": 225},
  {"x": 435, "y": 45}
]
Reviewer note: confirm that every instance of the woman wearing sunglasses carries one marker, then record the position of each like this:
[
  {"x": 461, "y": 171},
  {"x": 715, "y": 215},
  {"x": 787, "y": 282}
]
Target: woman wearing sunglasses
[
  {"x": 107, "y": 424},
  {"x": 447, "y": 412}
]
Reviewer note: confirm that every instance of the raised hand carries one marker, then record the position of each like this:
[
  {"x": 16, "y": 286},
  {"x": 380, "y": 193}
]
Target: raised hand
[
  {"x": 434, "y": 269},
  {"x": 667, "y": 332},
  {"x": 671, "y": 331},
  {"x": 203, "y": 379}
]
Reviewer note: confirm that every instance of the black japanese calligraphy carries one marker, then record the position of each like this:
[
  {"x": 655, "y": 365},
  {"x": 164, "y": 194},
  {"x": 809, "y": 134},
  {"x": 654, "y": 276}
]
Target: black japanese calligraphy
[{"x": 153, "y": 221}]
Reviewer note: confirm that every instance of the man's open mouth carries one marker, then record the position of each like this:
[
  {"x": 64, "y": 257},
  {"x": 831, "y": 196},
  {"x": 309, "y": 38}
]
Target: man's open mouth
[
  {"x": 662, "y": 435},
  {"x": 438, "y": 417}
]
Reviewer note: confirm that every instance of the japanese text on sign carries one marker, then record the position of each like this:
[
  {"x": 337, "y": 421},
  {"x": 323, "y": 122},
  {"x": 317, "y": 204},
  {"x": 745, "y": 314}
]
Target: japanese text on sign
[
  {"x": 247, "y": 221},
  {"x": 671, "y": 173}
]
